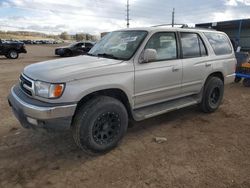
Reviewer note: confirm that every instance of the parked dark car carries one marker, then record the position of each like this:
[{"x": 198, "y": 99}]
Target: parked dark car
[
  {"x": 78, "y": 48},
  {"x": 11, "y": 49}
]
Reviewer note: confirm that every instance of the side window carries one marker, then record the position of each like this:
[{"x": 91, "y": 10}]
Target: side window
[
  {"x": 220, "y": 43},
  {"x": 192, "y": 45},
  {"x": 88, "y": 45},
  {"x": 164, "y": 44},
  {"x": 79, "y": 45}
]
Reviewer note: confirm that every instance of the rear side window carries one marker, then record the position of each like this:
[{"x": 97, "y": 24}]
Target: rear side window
[
  {"x": 192, "y": 45},
  {"x": 220, "y": 43}
]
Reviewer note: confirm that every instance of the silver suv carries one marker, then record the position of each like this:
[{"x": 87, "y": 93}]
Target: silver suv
[{"x": 129, "y": 74}]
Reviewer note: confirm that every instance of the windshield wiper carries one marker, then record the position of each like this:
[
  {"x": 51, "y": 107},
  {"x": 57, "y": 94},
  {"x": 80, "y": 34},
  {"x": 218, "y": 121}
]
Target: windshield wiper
[
  {"x": 107, "y": 56},
  {"x": 90, "y": 54}
]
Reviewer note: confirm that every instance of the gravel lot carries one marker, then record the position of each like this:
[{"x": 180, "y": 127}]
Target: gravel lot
[{"x": 202, "y": 150}]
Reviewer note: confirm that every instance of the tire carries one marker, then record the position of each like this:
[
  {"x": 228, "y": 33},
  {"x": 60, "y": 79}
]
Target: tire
[
  {"x": 246, "y": 82},
  {"x": 212, "y": 95},
  {"x": 99, "y": 125},
  {"x": 13, "y": 54},
  {"x": 237, "y": 79}
]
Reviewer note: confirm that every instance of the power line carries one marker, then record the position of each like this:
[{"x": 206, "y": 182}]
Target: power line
[
  {"x": 173, "y": 17},
  {"x": 127, "y": 13}
]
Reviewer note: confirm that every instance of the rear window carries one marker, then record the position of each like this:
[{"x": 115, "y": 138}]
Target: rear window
[
  {"x": 220, "y": 43},
  {"x": 88, "y": 44}
]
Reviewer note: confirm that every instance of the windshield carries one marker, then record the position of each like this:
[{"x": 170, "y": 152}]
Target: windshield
[{"x": 118, "y": 44}]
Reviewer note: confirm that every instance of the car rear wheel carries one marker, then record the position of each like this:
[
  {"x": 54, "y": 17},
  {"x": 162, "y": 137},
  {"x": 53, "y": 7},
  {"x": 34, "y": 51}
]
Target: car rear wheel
[
  {"x": 13, "y": 54},
  {"x": 237, "y": 79},
  {"x": 246, "y": 82},
  {"x": 212, "y": 95},
  {"x": 100, "y": 124}
]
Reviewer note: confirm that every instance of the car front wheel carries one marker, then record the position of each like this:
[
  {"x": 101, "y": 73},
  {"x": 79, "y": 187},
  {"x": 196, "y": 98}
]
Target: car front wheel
[
  {"x": 12, "y": 54},
  {"x": 100, "y": 124}
]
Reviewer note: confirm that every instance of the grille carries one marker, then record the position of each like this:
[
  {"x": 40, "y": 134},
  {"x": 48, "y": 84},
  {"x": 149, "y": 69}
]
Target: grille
[
  {"x": 26, "y": 85},
  {"x": 25, "y": 81},
  {"x": 26, "y": 90}
]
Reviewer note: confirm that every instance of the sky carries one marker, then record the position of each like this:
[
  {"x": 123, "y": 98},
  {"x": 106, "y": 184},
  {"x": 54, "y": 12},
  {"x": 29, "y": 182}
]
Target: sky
[{"x": 95, "y": 16}]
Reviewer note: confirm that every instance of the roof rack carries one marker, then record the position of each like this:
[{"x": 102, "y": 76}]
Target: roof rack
[
  {"x": 185, "y": 26},
  {"x": 202, "y": 28},
  {"x": 162, "y": 25}
]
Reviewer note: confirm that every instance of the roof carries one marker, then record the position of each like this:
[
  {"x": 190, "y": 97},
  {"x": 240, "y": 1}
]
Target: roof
[
  {"x": 164, "y": 28},
  {"x": 231, "y": 24}
]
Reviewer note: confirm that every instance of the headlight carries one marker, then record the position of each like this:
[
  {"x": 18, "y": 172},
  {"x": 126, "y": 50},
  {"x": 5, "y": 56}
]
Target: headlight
[{"x": 47, "y": 90}]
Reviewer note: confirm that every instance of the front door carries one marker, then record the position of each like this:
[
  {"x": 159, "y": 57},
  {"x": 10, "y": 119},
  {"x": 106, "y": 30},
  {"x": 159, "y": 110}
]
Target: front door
[{"x": 160, "y": 80}]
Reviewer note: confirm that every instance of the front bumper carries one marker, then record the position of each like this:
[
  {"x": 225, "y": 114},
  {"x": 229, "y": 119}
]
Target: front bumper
[
  {"x": 59, "y": 51},
  {"x": 33, "y": 113},
  {"x": 23, "y": 50}
]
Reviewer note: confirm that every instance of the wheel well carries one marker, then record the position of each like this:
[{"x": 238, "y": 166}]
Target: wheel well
[
  {"x": 7, "y": 51},
  {"x": 217, "y": 74},
  {"x": 115, "y": 93}
]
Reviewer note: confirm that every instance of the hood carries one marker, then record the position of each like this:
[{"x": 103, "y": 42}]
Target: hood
[{"x": 67, "y": 69}]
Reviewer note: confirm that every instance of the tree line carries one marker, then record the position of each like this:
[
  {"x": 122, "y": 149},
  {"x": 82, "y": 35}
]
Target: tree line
[{"x": 78, "y": 36}]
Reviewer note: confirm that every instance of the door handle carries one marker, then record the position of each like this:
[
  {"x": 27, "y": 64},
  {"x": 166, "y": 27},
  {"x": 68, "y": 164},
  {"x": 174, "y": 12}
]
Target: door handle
[
  {"x": 208, "y": 64},
  {"x": 175, "y": 69}
]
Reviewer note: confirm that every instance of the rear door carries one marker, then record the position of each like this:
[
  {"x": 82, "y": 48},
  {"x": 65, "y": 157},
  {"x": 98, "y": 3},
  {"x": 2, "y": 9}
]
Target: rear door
[{"x": 195, "y": 61}]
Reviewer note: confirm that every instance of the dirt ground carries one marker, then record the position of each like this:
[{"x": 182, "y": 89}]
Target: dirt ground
[{"x": 202, "y": 150}]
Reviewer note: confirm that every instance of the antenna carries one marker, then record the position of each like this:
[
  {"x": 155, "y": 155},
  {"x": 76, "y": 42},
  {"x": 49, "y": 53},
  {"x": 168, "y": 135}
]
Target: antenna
[
  {"x": 173, "y": 17},
  {"x": 128, "y": 14}
]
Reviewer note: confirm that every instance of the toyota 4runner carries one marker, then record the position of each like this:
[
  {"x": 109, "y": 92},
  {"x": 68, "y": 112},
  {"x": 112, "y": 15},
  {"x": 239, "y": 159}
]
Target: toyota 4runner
[{"x": 129, "y": 74}]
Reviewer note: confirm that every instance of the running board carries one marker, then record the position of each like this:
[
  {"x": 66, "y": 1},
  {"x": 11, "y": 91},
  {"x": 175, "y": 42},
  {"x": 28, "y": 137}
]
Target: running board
[{"x": 161, "y": 108}]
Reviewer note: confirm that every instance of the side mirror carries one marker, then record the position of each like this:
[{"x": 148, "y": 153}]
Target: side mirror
[{"x": 149, "y": 55}]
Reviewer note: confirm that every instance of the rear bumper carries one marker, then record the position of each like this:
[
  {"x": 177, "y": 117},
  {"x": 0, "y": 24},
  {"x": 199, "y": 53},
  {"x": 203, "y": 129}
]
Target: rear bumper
[
  {"x": 229, "y": 78},
  {"x": 32, "y": 113}
]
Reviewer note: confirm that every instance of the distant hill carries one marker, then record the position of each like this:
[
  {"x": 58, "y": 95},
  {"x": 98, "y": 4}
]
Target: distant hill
[{"x": 27, "y": 35}]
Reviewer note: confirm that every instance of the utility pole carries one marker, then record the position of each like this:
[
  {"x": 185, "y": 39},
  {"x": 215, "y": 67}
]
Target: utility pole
[
  {"x": 128, "y": 14},
  {"x": 173, "y": 17}
]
